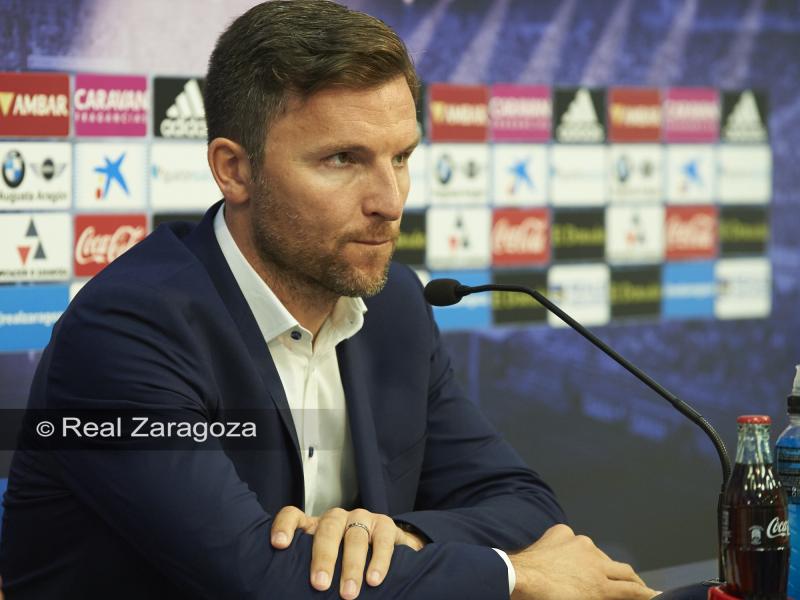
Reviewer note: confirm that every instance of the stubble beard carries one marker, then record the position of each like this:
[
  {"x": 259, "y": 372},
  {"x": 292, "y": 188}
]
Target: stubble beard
[{"x": 302, "y": 268}]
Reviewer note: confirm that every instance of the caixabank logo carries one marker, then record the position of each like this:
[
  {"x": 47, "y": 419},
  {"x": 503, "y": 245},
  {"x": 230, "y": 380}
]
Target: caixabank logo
[
  {"x": 635, "y": 292},
  {"x": 34, "y": 105},
  {"x": 178, "y": 109},
  {"x": 520, "y": 174},
  {"x": 110, "y": 176},
  {"x": 458, "y": 113},
  {"x": 744, "y": 117},
  {"x": 513, "y": 307},
  {"x": 579, "y": 115},
  {"x": 691, "y": 172},
  {"x": 35, "y": 175}
]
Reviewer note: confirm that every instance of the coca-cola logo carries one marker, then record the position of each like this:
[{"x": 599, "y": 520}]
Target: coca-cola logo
[
  {"x": 777, "y": 528},
  {"x": 697, "y": 232},
  {"x": 529, "y": 236},
  {"x": 101, "y": 249}
]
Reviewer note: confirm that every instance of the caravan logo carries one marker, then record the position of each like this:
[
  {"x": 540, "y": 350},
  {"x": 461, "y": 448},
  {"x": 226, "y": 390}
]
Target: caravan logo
[
  {"x": 178, "y": 109},
  {"x": 579, "y": 115},
  {"x": 691, "y": 115},
  {"x": 34, "y": 104},
  {"x": 111, "y": 105},
  {"x": 521, "y": 113}
]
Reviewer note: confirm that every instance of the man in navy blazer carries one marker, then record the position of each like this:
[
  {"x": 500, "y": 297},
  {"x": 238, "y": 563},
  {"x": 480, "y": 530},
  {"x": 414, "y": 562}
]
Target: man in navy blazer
[{"x": 311, "y": 115}]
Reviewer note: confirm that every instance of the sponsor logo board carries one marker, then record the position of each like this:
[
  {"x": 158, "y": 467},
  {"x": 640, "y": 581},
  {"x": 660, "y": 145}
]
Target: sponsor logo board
[
  {"x": 178, "y": 109},
  {"x": 578, "y": 234},
  {"x": 744, "y": 288},
  {"x": 635, "y": 292},
  {"x": 635, "y": 234},
  {"x": 634, "y": 115},
  {"x": 110, "y": 176},
  {"x": 690, "y": 173},
  {"x": 580, "y": 290},
  {"x": 458, "y": 238},
  {"x": 513, "y": 307},
  {"x": 688, "y": 290},
  {"x": 520, "y": 113},
  {"x": 520, "y": 174},
  {"x": 635, "y": 172},
  {"x": 458, "y": 173},
  {"x": 34, "y": 105},
  {"x": 474, "y": 311},
  {"x": 578, "y": 175},
  {"x": 111, "y": 105},
  {"x": 411, "y": 243},
  {"x": 691, "y": 115},
  {"x": 179, "y": 176},
  {"x": 690, "y": 232},
  {"x": 520, "y": 237},
  {"x": 100, "y": 239},
  {"x": 36, "y": 175},
  {"x": 744, "y": 174},
  {"x": 35, "y": 247},
  {"x": 579, "y": 115},
  {"x": 458, "y": 113},
  {"x": 743, "y": 230},
  {"x": 28, "y": 313},
  {"x": 744, "y": 117},
  {"x": 418, "y": 177}
]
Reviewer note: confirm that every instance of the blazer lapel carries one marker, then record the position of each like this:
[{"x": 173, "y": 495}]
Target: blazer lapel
[
  {"x": 203, "y": 242},
  {"x": 351, "y": 356}
]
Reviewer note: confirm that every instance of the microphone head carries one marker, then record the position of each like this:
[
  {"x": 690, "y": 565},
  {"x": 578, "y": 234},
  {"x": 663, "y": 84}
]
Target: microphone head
[{"x": 444, "y": 292}]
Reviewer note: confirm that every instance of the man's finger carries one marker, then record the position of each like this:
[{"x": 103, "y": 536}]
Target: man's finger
[
  {"x": 354, "y": 557},
  {"x": 628, "y": 590},
  {"x": 384, "y": 538},
  {"x": 288, "y": 519},
  {"x": 325, "y": 548},
  {"x": 622, "y": 572}
]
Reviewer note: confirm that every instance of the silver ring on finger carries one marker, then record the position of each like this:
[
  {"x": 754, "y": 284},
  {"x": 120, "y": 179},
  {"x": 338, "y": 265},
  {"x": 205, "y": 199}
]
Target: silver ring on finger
[{"x": 361, "y": 525}]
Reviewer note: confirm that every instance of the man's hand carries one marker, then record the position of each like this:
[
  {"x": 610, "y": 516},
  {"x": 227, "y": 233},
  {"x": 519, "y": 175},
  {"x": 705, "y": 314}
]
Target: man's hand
[
  {"x": 563, "y": 566},
  {"x": 335, "y": 527}
]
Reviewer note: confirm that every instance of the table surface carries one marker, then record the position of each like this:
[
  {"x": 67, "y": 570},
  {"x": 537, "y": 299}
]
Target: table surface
[{"x": 679, "y": 575}]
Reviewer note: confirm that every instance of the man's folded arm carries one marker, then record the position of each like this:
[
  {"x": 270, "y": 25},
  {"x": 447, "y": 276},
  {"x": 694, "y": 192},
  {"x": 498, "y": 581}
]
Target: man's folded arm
[
  {"x": 474, "y": 486},
  {"x": 188, "y": 512}
]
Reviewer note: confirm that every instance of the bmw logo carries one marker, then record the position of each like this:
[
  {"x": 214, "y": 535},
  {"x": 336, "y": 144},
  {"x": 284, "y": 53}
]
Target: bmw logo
[
  {"x": 13, "y": 169},
  {"x": 444, "y": 169}
]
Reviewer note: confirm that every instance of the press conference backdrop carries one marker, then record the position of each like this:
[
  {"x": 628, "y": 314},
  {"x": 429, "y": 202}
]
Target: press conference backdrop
[{"x": 635, "y": 160}]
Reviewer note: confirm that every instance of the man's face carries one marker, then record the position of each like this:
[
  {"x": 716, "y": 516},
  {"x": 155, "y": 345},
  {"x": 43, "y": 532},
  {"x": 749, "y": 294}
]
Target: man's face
[{"x": 327, "y": 205}]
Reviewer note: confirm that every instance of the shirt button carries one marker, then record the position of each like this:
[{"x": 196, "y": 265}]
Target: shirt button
[
  {"x": 311, "y": 452},
  {"x": 296, "y": 335}
]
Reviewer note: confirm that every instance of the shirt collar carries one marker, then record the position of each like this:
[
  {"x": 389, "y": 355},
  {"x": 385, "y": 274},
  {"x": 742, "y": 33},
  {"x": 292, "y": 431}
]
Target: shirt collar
[{"x": 271, "y": 315}]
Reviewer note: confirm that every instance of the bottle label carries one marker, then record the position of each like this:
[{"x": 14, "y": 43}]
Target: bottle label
[
  {"x": 788, "y": 469},
  {"x": 754, "y": 526}
]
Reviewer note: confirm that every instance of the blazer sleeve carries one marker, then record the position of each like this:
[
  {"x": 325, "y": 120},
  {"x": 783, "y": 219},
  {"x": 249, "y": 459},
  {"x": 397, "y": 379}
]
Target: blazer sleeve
[
  {"x": 188, "y": 512},
  {"x": 474, "y": 487}
]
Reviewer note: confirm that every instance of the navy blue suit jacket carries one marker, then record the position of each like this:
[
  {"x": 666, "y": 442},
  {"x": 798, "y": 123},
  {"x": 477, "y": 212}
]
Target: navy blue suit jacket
[{"x": 166, "y": 327}]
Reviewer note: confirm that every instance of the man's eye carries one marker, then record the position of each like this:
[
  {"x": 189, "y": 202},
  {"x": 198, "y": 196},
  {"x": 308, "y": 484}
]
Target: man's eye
[
  {"x": 401, "y": 160},
  {"x": 340, "y": 159}
]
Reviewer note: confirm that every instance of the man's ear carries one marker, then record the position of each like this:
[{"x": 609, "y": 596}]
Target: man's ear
[{"x": 231, "y": 169}]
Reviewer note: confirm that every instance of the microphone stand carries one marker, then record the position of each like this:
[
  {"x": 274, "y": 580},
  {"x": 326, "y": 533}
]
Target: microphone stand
[{"x": 680, "y": 405}]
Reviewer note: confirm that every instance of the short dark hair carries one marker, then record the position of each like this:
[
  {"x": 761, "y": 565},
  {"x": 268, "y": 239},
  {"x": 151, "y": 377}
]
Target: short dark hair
[{"x": 294, "y": 47}]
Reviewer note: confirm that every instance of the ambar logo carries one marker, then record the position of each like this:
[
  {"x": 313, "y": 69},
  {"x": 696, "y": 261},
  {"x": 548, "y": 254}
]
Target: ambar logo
[
  {"x": 458, "y": 112},
  {"x": 634, "y": 115},
  {"x": 34, "y": 104}
]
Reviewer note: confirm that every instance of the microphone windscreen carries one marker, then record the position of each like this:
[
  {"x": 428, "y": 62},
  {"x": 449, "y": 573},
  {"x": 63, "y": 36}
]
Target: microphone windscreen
[{"x": 443, "y": 292}]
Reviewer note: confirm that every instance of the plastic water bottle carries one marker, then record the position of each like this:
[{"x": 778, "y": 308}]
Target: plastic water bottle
[{"x": 787, "y": 459}]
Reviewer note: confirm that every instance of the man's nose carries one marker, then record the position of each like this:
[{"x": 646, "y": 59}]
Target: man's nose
[{"x": 387, "y": 191}]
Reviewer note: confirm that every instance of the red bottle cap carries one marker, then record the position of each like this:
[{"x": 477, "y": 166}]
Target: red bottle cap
[{"x": 755, "y": 419}]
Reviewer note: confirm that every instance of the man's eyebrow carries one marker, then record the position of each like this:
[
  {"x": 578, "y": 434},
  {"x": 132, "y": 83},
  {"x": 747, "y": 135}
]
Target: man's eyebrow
[{"x": 358, "y": 148}]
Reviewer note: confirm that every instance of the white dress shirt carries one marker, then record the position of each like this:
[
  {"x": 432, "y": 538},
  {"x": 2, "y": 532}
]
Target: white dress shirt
[{"x": 309, "y": 372}]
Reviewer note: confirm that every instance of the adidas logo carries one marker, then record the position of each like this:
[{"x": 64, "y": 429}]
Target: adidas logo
[
  {"x": 579, "y": 123},
  {"x": 745, "y": 123},
  {"x": 186, "y": 118}
]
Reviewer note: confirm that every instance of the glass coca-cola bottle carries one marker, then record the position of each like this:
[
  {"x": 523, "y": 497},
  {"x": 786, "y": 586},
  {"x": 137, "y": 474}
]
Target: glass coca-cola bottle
[{"x": 755, "y": 528}]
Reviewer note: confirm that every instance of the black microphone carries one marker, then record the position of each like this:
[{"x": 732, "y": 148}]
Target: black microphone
[{"x": 446, "y": 292}]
